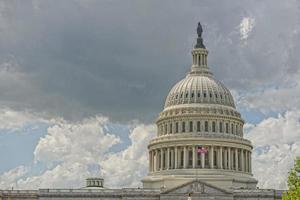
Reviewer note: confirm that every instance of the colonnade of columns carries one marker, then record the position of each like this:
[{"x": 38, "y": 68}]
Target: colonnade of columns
[
  {"x": 185, "y": 157},
  {"x": 200, "y": 58}
]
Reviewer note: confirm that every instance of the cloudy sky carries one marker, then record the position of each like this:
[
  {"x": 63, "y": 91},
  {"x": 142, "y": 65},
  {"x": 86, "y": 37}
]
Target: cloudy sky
[{"x": 82, "y": 82}]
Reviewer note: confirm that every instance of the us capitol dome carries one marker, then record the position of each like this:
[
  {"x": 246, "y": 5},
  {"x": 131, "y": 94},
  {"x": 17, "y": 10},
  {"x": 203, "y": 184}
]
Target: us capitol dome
[
  {"x": 200, "y": 133},
  {"x": 199, "y": 152}
]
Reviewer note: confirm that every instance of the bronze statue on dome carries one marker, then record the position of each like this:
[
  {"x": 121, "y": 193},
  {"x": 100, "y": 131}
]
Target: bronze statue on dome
[{"x": 199, "y": 30}]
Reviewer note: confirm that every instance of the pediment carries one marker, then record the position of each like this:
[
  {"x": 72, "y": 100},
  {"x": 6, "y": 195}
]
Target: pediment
[{"x": 197, "y": 186}]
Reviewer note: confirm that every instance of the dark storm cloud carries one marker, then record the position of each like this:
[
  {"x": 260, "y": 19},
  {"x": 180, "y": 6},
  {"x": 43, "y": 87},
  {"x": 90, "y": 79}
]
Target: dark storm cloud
[{"x": 78, "y": 58}]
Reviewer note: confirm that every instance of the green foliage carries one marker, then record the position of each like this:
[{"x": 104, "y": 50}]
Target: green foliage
[{"x": 293, "y": 182}]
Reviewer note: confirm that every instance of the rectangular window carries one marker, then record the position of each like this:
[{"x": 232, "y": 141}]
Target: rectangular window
[
  {"x": 199, "y": 160},
  {"x": 227, "y": 128},
  {"x": 170, "y": 160},
  {"x": 206, "y": 126},
  {"x": 190, "y": 159},
  {"x": 191, "y": 126},
  {"x": 176, "y": 127},
  {"x": 231, "y": 128},
  {"x": 198, "y": 126},
  {"x": 183, "y": 127},
  {"x": 165, "y": 129},
  {"x": 170, "y": 128},
  {"x": 181, "y": 158},
  {"x": 215, "y": 158},
  {"x": 221, "y": 127},
  {"x": 213, "y": 126}
]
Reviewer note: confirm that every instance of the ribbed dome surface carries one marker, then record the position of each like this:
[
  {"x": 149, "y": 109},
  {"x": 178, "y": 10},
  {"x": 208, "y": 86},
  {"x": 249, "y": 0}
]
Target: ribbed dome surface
[{"x": 199, "y": 88}]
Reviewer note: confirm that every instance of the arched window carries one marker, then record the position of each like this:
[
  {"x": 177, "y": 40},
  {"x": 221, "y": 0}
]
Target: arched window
[
  {"x": 183, "y": 127},
  {"x": 191, "y": 126},
  {"x": 213, "y": 126},
  {"x": 221, "y": 127},
  {"x": 206, "y": 126},
  {"x": 176, "y": 127},
  {"x": 198, "y": 126}
]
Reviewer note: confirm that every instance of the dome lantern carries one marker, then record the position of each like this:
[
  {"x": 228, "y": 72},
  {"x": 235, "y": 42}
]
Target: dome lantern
[{"x": 199, "y": 55}]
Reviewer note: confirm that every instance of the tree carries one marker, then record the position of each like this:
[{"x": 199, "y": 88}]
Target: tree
[{"x": 293, "y": 182}]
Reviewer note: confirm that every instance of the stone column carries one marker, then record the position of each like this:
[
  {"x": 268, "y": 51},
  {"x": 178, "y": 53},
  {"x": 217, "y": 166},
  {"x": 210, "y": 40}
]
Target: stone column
[
  {"x": 150, "y": 161},
  {"x": 250, "y": 162},
  {"x": 161, "y": 159},
  {"x": 194, "y": 157},
  {"x": 229, "y": 158},
  {"x": 221, "y": 158},
  {"x": 236, "y": 160},
  {"x": 175, "y": 158},
  {"x": 153, "y": 160},
  {"x": 202, "y": 160},
  {"x": 243, "y": 160},
  {"x": 225, "y": 159},
  {"x": 156, "y": 160},
  {"x": 246, "y": 161},
  {"x": 211, "y": 157},
  {"x": 168, "y": 158},
  {"x": 184, "y": 157}
]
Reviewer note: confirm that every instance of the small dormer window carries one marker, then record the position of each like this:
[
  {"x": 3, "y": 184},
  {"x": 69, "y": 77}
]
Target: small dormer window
[
  {"x": 181, "y": 95},
  {"x": 216, "y": 96},
  {"x": 186, "y": 95},
  {"x": 204, "y": 95},
  {"x": 198, "y": 94},
  {"x": 192, "y": 95},
  {"x": 210, "y": 95}
]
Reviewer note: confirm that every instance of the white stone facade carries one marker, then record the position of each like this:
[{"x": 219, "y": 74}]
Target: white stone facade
[{"x": 196, "y": 190}]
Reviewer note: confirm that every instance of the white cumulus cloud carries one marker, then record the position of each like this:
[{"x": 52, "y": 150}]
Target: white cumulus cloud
[
  {"x": 73, "y": 151},
  {"x": 276, "y": 144},
  {"x": 83, "y": 142},
  {"x": 132, "y": 163}
]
